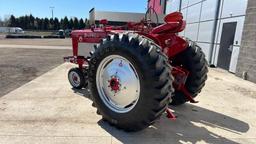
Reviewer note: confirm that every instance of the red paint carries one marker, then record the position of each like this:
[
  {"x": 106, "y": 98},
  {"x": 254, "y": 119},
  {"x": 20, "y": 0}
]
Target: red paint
[
  {"x": 170, "y": 115},
  {"x": 80, "y": 60},
  {"x": 164, "y": 35},
  {"x": 155, "y": 4},
  {"x": 114, "y": 84},
  {"x": 179, "y": 83},
  {"x": 104, "y": 21},
  {"x": 88, "y": 35}
]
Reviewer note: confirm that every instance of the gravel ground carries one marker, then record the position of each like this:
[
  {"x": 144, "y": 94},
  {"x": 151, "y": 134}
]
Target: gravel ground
[
  {"x": 41, "y": 42},
  {"x": 18, "y": 66}
]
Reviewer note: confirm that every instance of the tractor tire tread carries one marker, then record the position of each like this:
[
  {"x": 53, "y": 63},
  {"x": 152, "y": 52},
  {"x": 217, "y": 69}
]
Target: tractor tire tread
[{"x": 154, "y": 62}]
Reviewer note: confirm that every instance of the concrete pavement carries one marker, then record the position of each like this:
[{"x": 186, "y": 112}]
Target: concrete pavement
[{"x": 47, "y": 110}]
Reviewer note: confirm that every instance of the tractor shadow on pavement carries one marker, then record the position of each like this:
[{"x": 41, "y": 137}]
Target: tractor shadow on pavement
[
  {"x": 191, "y": 126},
  {"x": 82, "y": 92}
]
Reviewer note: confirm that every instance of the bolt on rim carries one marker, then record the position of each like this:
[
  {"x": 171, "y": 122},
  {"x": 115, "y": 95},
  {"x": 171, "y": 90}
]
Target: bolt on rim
[{"x": 118, "y": 83}]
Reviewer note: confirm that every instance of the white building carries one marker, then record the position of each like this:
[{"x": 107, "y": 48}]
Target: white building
[
  {"x": 119, "y": 18},
  {"x": 216, "y": 25}
]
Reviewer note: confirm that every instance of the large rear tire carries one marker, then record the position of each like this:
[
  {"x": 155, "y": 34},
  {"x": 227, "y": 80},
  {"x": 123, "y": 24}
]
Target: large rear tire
[
  {"x": 130, "y": 81},
  {"x": 192, "y": 59}
]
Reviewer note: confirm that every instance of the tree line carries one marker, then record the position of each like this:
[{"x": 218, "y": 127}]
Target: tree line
[{"x": 29, "y": 22}]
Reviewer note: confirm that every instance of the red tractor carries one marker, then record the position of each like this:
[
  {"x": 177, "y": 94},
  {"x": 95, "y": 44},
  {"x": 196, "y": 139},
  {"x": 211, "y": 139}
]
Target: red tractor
[{"x": 137, "y": 70}]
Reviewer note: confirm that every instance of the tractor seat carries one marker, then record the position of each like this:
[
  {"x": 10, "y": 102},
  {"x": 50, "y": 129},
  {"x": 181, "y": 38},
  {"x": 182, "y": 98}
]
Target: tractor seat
[{"x": 173, "y": 23}]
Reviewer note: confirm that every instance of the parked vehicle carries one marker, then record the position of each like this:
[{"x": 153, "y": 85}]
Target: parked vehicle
[
  {"x": 13, "y": 30},
  {"x": 137, "y": 70}
]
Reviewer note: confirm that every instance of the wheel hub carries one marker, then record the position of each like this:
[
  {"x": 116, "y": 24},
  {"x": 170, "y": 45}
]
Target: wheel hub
[
  {"x": 114, "y": 84},
  {"x": 118, "y": 83},
  {"x": 74, "y": 78}
]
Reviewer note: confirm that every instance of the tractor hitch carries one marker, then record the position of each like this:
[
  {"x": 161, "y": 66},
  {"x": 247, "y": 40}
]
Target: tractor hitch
[
  {"x": 188, "y": 95},
  {"x": 170, "y": 114},
  {"x": 180, "y": 74},
  {"x": 80, "y": 60}
]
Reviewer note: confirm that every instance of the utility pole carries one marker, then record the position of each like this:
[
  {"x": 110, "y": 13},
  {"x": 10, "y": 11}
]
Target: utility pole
[{"x": 52, "y": 8}]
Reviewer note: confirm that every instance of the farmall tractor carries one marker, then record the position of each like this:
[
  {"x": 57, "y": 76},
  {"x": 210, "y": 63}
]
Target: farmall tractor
[{"x": 138, "y": 70}]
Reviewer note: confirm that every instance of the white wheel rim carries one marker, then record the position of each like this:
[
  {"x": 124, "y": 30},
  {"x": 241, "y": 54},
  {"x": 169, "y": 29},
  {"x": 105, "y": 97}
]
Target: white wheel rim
[
  {"x": 74, "y": 78},
  {"x": 118, "y": 83}
]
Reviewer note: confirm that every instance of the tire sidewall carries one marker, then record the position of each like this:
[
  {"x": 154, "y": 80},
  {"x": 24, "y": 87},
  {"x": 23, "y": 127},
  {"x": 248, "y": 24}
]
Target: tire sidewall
[
  {"x": 81, "y": 77},
  {"x": 140, "y": 67}
]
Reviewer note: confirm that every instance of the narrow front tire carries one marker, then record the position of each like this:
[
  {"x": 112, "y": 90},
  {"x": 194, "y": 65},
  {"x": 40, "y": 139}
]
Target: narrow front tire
[{"x": 76, "y": 78}]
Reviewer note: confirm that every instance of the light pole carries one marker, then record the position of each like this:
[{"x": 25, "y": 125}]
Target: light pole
[{"x": 52, "y": 8}]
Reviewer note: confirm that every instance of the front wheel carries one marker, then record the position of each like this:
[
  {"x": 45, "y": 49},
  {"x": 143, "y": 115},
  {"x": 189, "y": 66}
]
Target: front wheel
[
  {"x": 76, "y": 78},
  {"x": 130, "y": 81}
]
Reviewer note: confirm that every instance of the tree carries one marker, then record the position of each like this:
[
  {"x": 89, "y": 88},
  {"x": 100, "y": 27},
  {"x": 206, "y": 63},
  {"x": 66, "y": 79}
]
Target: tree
[
  {"x": 51, "y": 24},
  {"x": 41, "y": 24},
  {"x": 61, "y": 23},
  {"x": 6, "y": 20},
  {"x": 22, "y": 22},
  {"x": 12, "y": 21},
  {"x": 1, "y": 22},
  {"x": 87, "y": 24},
  {"x": 81, "y": 24},
  {"x": 38, "y": 23},
  {"x": 65, "y": 23},
  {"x": 35, "y": 23},
  {"x": 76, "y": 23},
  {"x": 31, "y": 22},
  {"x": 46, "y": 24},
  {"x": 26, "y": 22},
  {"x": 71, "y": 24},
  {"x": 56, "y": 24}
]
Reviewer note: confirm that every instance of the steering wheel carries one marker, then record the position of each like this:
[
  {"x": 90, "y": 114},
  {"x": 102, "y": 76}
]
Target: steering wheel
[{"x": 149, "y": 12}]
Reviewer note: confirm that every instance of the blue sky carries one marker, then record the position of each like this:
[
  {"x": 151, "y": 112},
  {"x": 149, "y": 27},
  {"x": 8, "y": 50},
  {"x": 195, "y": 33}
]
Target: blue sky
[{"x": 70, "y": 8}]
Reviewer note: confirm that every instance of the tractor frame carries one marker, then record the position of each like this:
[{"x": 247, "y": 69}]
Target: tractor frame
[{"x": 164, "y": 35}]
